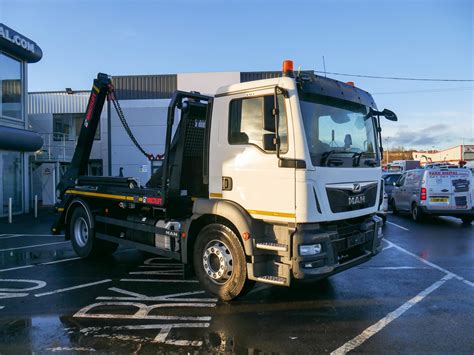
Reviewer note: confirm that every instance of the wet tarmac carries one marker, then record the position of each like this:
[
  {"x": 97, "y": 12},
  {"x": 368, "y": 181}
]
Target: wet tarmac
[{"x": 416, "y": 296}]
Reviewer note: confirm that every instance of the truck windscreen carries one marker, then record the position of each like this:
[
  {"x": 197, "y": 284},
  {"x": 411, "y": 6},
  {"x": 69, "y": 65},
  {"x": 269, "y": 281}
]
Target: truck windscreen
[{"x": 339, "y": 133}]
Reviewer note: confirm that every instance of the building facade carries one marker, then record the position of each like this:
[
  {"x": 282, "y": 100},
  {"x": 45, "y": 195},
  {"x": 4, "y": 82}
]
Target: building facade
[
  {"x": 462, "y": 152},
  {"x": 16, "y": 140}
]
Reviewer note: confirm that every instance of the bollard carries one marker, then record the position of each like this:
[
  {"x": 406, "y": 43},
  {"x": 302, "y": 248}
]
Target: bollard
[
  {"x": 36, "y": 206},
  {"x": 10, "y": 208}
]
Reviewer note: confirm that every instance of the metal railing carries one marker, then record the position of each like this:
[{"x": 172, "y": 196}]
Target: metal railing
[{"x": 56, "y": 147}]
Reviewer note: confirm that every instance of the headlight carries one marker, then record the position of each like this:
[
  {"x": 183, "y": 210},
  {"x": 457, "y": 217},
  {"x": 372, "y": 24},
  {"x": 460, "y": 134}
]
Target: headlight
[{"x": 312, "y": 249}]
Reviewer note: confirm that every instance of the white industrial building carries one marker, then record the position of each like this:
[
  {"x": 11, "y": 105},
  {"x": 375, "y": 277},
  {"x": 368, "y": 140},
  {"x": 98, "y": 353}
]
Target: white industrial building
[
  {"x": 144, "y": 99},
  {"x": 462, "y": 152}
]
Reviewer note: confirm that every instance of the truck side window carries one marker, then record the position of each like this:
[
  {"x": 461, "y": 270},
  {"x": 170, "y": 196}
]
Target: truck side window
[{"x": 247, "y": 117}]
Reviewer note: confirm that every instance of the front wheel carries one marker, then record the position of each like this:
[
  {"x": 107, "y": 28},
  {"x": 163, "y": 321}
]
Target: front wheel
[
  {"x": 219, "y": 262},
  {"x": 83, "y": 238}
]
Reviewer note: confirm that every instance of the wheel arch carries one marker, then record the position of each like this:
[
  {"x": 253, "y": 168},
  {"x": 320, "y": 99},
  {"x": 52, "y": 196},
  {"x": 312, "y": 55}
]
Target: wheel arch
[
  {"x": 225, "y": 212},
  {"x": 76, "y": 202}
]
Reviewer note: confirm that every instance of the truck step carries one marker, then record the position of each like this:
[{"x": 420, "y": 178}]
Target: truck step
[
  {"x": 272, "y": 246},
  {"x": 275, "y": 280}
]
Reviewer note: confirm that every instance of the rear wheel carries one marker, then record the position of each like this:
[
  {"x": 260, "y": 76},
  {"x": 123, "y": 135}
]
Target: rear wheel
[
  {"x": 219, "y": 262},
  {"x": 83, "y": 236},
  {"x": 416, "y": 213},
  {"x": 467, "y": 220}
]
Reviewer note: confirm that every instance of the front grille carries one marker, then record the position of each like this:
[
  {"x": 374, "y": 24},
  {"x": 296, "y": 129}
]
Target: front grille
[{"x": 344, "y": 200}]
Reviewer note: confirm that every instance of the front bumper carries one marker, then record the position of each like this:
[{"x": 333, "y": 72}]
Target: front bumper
[
  {"x": 448, "y": 212},
  {"x": 342, "y": 247}
]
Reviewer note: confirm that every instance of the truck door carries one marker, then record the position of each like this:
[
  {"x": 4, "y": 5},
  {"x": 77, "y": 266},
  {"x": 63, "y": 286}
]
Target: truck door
[{"x": 242, "y": 168}]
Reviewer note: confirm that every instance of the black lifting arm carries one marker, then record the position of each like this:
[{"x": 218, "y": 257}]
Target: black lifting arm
[{"x": 79, "y": 161}]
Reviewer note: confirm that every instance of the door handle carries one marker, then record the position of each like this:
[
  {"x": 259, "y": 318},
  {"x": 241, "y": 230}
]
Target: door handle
[{"x": 226, "y": 183}]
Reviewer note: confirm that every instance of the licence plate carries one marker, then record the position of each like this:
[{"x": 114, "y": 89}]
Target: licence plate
[
  {"x": 355, "y": 240},
  {"x": 439, "y": 199}
]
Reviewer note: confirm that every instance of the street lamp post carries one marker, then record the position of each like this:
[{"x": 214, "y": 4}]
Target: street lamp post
[{"x": 386, "y": 143}]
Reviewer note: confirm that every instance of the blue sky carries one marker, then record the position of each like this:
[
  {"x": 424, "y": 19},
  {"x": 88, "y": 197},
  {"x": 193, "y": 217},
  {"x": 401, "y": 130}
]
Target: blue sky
[{"x": 425, "y": 39}]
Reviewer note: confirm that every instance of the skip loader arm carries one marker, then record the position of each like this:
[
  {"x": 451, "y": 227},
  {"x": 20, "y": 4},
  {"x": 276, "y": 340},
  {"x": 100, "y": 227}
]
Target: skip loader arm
[{"x": 100, "y": 89}]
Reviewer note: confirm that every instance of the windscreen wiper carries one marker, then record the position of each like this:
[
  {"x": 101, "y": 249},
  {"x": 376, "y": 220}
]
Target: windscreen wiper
[
  {"x": 325, "y": 156},
  {"x": 357, "y": 156}
]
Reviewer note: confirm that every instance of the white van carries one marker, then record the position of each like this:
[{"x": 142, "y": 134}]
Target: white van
[{"x": 435, "y": 191}]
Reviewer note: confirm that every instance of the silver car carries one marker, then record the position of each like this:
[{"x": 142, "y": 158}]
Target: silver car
[{"x": 435, "y": 191}]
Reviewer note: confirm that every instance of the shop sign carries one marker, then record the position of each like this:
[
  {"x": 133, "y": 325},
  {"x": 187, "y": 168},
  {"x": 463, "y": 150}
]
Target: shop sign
[{"x": 14, "y": 43}]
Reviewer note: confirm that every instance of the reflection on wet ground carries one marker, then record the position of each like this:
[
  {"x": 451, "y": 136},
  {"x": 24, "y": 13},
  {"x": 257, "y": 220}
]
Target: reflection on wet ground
[{"x": 136, "y": 302}]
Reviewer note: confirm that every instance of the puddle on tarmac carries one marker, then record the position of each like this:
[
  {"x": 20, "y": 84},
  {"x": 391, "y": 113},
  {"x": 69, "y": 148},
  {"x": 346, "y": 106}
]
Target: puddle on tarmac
[{"x": 20, "y": 258}]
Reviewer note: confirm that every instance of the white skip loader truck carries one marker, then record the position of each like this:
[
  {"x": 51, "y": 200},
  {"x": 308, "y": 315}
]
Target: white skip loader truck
[{"x": 266, "y": 181}]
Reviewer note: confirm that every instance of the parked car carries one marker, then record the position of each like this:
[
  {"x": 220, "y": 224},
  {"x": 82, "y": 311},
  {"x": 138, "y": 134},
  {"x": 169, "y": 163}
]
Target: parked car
[
  {"x": 389, "y": 179},
  {"x": 441, "y": 192}
]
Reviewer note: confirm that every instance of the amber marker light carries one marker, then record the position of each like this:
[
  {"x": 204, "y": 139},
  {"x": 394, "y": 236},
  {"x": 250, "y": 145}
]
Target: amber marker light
[{"x": 288, "y": 68}]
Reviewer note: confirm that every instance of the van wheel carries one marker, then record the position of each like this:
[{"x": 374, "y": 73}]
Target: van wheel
[
  {"x": 394, "y": 207},
  {"x": 467, "y": 220},
  {"x": 416, "y": 213},
  {"x": 219, "y": 262},
  {"x": 83, "y": 238}
]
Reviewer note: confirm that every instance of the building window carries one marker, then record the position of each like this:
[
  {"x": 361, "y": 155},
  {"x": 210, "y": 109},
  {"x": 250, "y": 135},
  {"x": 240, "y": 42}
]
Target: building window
[
  {"x": 11, "y": 183},
  {"x": 11, "y": 88},
  {"x": 251, "y": 118},
  {"x": 67, "y": 126}
]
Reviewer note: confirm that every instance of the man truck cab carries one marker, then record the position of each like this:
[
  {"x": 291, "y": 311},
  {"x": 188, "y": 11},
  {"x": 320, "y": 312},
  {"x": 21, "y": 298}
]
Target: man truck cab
[{"x": 267, "y": 181}]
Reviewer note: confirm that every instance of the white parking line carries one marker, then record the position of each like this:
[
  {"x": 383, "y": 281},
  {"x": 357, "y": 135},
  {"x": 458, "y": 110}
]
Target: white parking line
[
  {"x": 72, "y": 288},
  {"x": 377, "y": 327},
  {"x": 17, "y": 268},
  {"x": 399, "y": 226},
  {"x": 393, "y": 267},
  {"x": 32, "y": 246},
  {"x": 159, "y": 281},
  {"x": 33, "y": 265},
  {"x": 437, "y": 267},
  {"x": 59, "y": 261},
  {"x": 9, "y": 236}
]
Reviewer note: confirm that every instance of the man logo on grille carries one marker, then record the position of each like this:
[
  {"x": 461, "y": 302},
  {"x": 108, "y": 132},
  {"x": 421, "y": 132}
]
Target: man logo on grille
[{"x": 356, "y": 188}]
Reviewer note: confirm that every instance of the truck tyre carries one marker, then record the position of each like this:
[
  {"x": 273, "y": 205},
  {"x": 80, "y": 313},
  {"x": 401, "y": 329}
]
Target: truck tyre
[
  {"x": 467, "y": 220},
  {"x": 83, "y": 240},
  {"x": 416, "y": 212},
  {"x": 219, "y": 262},
  {"x": 394, "y": 207}
]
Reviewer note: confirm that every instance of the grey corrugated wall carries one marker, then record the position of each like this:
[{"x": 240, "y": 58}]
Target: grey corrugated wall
[
  {"x": 57, "y": 102},
  {"x": 141, "y": 87}
]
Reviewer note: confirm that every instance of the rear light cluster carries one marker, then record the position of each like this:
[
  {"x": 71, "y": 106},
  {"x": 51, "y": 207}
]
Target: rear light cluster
[{"x": 423, "y": 194}]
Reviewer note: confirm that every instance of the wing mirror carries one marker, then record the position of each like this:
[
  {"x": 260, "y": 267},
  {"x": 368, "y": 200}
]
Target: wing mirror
[{"x": 389, "y": 115}]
